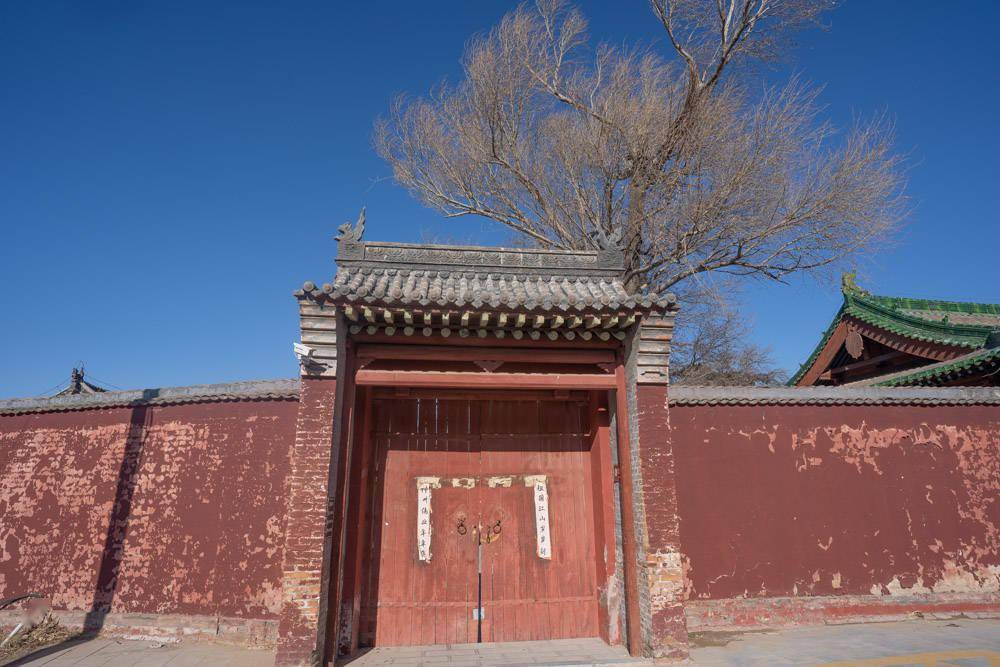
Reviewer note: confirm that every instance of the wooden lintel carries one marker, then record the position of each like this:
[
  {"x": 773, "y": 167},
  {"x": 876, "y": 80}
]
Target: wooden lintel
[
  {"x": 423, "y": 379},
  {"x": 482, "y": 394},
  {"x": 464, "y": 353},
  {"x": 865, "y": 363}
]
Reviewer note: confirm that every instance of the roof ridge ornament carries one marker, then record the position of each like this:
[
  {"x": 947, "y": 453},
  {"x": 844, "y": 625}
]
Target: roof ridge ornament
[
  {"x": 349, "y": 243},
  {"x": 610, "y": 245},
  {"x": 607, "y": 241},
  {"x": 849, "y": 283},
  {"x": 352, "y": 233}
]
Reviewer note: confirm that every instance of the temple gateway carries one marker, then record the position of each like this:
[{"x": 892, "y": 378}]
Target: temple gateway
[{"x": 482, "y": 446}]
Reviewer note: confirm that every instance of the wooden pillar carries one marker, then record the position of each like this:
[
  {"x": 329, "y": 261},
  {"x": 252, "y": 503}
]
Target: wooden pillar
[
  {"x": 358, "y": 527},
  {"x": 602, "y": 469},
  {"x": 335, "y": 544},
  {"x": 633, "y": 632}
]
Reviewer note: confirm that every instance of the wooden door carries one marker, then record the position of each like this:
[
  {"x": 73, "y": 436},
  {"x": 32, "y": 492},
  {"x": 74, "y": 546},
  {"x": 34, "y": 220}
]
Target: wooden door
[{"x": 480, "y": 460}]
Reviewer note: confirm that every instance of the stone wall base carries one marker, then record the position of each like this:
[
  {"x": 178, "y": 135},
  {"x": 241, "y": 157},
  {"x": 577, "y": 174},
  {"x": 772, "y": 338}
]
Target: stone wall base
[
  {"x": 248, "y": 632},
  {"x": 741, "y": 614}
]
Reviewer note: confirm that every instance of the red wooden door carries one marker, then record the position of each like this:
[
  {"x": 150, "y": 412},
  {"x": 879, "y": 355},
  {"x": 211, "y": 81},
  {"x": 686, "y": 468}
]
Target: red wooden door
[{"x": 481, "y": 457}]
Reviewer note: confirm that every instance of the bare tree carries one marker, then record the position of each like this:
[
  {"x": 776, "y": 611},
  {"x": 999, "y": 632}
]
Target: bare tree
[
  {"x": 711, "y": 346},
  {"x": 688, "y": 162}
]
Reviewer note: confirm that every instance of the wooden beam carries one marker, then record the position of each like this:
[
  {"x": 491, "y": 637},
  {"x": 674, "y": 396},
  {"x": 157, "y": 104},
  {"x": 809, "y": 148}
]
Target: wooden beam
[
  {"x": 484, "y": 394},
  {"x": 865, "y": 363},
  {"x": 462, "y": 353},
  {"x": 459, "y": 380},
  {"x": 473, "y": 340}
]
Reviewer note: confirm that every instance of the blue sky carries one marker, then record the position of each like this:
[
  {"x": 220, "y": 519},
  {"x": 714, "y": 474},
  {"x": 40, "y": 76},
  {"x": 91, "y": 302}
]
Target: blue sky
[{"x": 170, "y": 172}]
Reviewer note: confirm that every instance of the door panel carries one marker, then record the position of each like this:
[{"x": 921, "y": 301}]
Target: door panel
[{"x": 494, "y": 444}]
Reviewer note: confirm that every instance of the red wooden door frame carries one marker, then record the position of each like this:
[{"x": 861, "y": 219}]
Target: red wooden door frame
[{"x": 615, "y": 385}]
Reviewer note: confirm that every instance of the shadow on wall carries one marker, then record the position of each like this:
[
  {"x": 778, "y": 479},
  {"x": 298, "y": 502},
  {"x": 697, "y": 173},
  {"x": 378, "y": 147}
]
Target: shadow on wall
[{"x": 121, "y": 509}]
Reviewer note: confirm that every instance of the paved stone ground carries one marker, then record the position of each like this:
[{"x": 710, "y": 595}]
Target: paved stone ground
[
  {"x": 564, "y": 652},
  {"x": 103, "y": 652},
  {"x": 960, "y": 642},
  {"x": 957, "y": 643}
]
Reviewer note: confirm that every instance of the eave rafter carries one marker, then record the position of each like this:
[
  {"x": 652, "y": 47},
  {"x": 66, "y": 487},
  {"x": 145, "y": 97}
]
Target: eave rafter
[{"x": 481, "y": 322}]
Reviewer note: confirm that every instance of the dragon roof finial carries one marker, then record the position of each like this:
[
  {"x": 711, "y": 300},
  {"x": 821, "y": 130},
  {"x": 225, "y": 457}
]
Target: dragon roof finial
[
  {"x": 849, "y": 283},
  {"x": 348, "y": 233},
  {"x": 605, "y": 240}
]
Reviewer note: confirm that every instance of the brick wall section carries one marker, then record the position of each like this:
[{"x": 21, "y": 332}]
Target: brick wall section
[
  {"x": 666, "y": 634},
  {"x": 802, "y": 514},
  {"x": 172, "y": 513},
  {"x": 307, "y": 504}
]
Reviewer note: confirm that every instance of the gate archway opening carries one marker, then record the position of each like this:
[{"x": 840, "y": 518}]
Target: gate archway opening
[{"x": 478, "y": 388}]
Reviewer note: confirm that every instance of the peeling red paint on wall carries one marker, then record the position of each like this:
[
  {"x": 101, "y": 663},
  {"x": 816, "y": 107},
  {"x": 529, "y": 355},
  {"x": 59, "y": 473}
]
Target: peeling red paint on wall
[
  {"x": 307, "y": 527},
  {"x": 663, "y": 562},
  {"x": 157, "y": 510},
  {"x": 883, "y": 502}
]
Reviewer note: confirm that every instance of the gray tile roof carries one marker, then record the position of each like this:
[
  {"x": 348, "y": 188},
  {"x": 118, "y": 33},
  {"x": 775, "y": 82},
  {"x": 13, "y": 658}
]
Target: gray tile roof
[
  {"x": 690, "y": 395},
  {"x": 258, "y": 390},
  {"x": 515, "y": 279},
  {"x": 494, "y": 289},
  {"x": 263, "y": 390}
]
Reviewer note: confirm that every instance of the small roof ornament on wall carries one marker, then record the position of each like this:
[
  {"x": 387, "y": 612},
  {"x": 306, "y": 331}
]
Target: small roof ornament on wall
[
  {"x": 349, "y": 243},
  {"x": 607, "y": 241},
  {"x": 348, "y": 233}
]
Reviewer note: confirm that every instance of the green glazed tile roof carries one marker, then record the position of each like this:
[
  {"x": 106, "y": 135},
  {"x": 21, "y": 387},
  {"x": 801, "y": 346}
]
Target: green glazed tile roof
[
  {"x": 934, "y": 374},
  {"x": 945, "y": 322}
]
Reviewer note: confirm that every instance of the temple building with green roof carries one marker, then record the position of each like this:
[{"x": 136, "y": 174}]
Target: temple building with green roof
[{"x": 902, "y": 342}]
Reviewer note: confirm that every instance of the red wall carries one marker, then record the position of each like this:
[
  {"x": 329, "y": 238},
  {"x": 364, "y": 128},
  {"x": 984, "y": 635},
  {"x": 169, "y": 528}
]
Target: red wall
[
  {"x": 874, "y": 503},
  {"x": 199, "y": 521}
]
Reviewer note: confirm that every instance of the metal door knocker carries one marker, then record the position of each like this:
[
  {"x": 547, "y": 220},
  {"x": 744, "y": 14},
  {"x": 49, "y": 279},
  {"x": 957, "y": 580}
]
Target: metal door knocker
[
  {"x": 462, "y": 530},
  {"x": 492, "y": 533}
]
